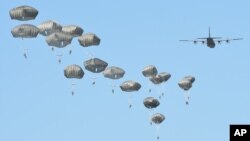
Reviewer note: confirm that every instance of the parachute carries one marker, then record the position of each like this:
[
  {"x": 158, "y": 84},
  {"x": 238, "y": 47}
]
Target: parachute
[
  {"x": 130, "y": 86},
  {"x": 95, "y": 65},
  {"x": 113, "y": 73},
  {"x": 186, "y": 84},
  {"x": 59, "y": 39},
  {"x": 164, "y": 76},
  {"x": 72, "y": 30},
  {"x": 25, "y": 31},
  {"x": 157, "y": 119},
  {"x": 149, "y": 71},
  {"x": 23, "y": 13},
  {"x": 156, "y": 79},
  {"x": 89, "y": 39},
  {"x": 151, "y": 102},
  {"x": 73, "y": 71},
  {"x": 49, "y": 27}
]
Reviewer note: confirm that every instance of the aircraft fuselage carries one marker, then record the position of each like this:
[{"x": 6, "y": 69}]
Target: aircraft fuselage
[{"x": 210, "y": 42}]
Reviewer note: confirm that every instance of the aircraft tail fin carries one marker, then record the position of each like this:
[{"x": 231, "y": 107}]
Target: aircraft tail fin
[{"x": 209, "y": 35}]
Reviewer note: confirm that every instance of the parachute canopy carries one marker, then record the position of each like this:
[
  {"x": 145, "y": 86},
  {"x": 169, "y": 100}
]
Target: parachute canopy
[
  {"x": 157, "y": 118},
  {"x": 49, "y": 27},
  {"x": 23, "y": 13},
  {"x": 113, "y": 72},
  {"x": 72, "y": 30},
  {"x": 186, "y": 82},
  {"x": 89, "y": 39},
  {"x": 151, "y": 102},
  {"x": 149, "y": 71},
  {"x": 164, "y": 76},
  {"x": 156, "y": 79},
  {"x": 25, "y": 31},
  {"x": 189, "y": 78},
  {"x": 95, "y": 65},
  {"x": 59, "y": 39},
  {"x": 73, "y": 71},
  {"x": 130, "y": 86}
]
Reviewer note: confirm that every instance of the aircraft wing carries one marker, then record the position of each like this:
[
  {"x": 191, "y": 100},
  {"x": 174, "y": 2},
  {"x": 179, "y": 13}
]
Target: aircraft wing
[
  {"x": 227, "y": 40},
  {"x": 195, "y": 41}
]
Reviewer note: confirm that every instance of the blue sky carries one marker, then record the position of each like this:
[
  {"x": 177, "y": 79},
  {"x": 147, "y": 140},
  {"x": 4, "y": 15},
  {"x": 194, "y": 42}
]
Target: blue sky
[{"x": 35, "y": 99}]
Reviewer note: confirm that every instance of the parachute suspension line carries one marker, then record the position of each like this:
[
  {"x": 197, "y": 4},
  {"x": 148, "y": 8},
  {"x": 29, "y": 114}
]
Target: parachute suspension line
[
  {"x": 157, "y": 131},
  {"x": 158, "y": 91},
  {"x": 89, "y": 55},
  {"x": 25, "y": 52},
  {"x": 73, "y": 88},
  {"x": 186, "y": 97},
  {"x": 59, "y": 56},
  {"x": 93, "y": 80},
  {"x": 150, "y": 113},
  {"x": 113, "y": 86},
  {"x": 130, "y": 100},
  {"x": 162, "y": 89},
  {"x": 149, "y": 87}
]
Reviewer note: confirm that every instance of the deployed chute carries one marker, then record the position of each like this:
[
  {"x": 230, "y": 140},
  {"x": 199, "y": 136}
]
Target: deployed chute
[
  {"x": 25, "y": 31},
  {"x": 73, "y": 71},
  {"x": 186, "y": 84},
  {"x": 23, "y": 13},
  {"x": 130, "y": 86},
  {"x": 156, "y": 79},
  {"x": 95, "y": 65},
  {"x": 149, "y": 71},
  {"x": 113, "y": 73},
  {"x": 49, "y": 27},
  {"x": 58, "y": 39},
  {"x": 89, "y": 39},
  {"x": 164, "y": 76},
  {"x": 157, "y": 119},
  {"x": 151, "y": 102},
  {"x": 72, "y": 30}
]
